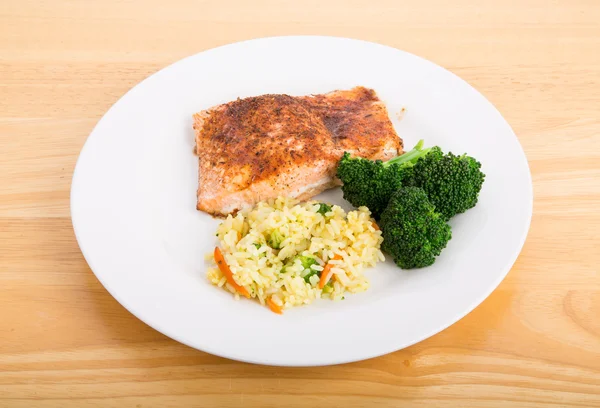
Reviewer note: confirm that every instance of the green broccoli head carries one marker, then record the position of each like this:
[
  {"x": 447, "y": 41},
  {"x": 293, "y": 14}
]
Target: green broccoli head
[
  {"x": 371, "y": 183},
  {"x": 451, "y": 182},
  {"x": 368, "y": 183},
  {"x": 413, "y": 233}
]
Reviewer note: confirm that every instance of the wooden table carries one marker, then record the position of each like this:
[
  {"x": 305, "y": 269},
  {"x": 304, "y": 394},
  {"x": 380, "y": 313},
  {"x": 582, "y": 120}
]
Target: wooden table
[{"x": 65, "y": 342}]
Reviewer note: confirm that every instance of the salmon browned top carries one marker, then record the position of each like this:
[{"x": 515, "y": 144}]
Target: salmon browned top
[
  {"x": 358, "y": 122},
  {"x": 262, "y": 147}
]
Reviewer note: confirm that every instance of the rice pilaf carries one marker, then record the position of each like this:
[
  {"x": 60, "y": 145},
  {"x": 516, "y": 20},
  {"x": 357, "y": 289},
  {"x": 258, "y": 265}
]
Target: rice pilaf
[{"x": 278, "y": 251}]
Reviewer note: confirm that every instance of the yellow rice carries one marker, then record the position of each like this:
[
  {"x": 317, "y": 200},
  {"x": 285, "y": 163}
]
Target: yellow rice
[{"x": 258, "y": 267}]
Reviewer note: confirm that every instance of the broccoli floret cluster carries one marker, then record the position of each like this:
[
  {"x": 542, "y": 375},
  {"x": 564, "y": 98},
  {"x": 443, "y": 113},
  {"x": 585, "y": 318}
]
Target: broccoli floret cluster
[
  {"x": 413, "y": 195},
  {"x": 413, "y": 233},
  {"x": 371, "y": 183},
  {"x": 451, "y": 182}
]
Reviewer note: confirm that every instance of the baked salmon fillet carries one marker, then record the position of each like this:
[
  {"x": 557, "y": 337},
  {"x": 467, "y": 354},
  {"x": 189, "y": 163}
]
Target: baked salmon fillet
[{"x": 262, "y": 147}]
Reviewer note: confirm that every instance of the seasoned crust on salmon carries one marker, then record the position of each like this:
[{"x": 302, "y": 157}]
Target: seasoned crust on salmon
[{"x": 266, "y": 146}]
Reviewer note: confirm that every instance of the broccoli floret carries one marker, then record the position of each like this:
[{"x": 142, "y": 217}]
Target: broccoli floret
[
  {"x": 451, "y": 182},
  {"x": 413, "y": 233},
  {"x": 371, "y": 183},
  {"x": 324, "y": 208},
  {"x": 275, "y": 238}
]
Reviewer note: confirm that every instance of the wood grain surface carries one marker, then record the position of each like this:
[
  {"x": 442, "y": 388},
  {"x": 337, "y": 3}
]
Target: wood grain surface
[{"x": 65, "y": 342}]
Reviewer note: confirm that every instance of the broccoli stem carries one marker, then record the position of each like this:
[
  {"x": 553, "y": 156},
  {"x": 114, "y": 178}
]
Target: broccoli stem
[{"x": 410, "y": 156}]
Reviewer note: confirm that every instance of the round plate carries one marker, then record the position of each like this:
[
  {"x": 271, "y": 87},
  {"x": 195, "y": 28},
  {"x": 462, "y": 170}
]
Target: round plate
[{"x": 133, "y": 201}]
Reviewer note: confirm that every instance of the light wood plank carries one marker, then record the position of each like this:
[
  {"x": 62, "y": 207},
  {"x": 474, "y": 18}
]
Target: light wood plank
[{"x": 65, "y": 342}]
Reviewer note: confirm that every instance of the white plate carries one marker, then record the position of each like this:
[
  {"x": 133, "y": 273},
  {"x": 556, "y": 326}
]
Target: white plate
[{"x": 133, "y": 203}]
